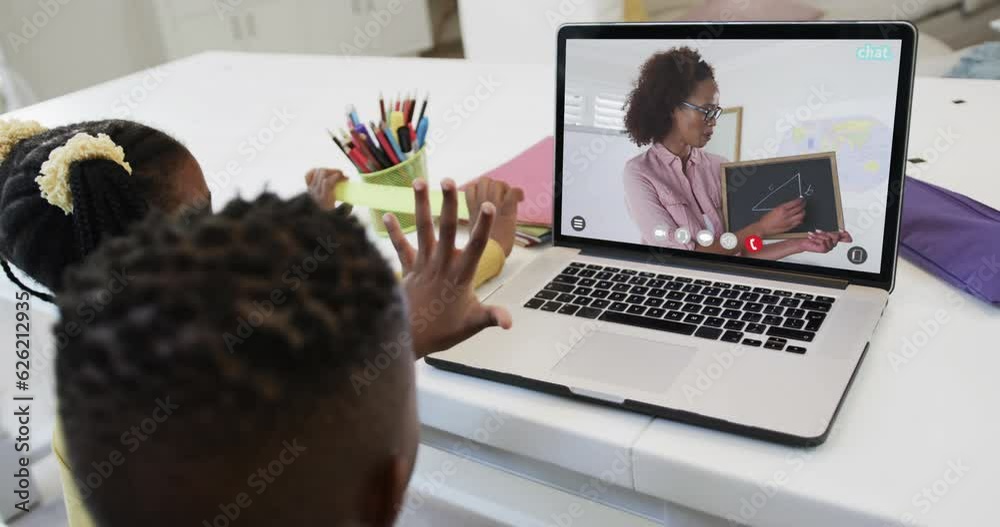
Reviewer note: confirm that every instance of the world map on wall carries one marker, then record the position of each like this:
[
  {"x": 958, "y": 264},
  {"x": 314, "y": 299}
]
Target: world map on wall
[{"x": 863, "y": 146}]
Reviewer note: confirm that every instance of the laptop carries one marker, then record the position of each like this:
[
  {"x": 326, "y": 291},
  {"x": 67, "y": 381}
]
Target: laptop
[{"x": 684, "y": 282}]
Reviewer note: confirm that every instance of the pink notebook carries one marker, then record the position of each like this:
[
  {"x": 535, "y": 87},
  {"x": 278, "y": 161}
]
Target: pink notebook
[{"x": 532, "y": 171}]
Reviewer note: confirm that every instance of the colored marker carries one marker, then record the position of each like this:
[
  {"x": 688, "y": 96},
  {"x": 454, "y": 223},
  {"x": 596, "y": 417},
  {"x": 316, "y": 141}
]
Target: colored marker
[{"x": 404, "y": 138}]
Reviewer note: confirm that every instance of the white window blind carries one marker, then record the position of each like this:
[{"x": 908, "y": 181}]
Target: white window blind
[
  {"x": 609, "y": 111},
  {"x": 574, "y": 107}
]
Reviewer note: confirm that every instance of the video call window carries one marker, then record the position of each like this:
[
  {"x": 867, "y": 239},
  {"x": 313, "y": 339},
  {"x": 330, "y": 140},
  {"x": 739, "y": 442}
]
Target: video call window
[{"x": 765, "y": 149}]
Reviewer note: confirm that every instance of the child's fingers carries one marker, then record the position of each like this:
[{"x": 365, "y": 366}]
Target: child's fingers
[
  {"x": 405, "y": 251},
  {"x": 470, "y": 198},
  {"x": 448, "y": 225},
  {"x": 425, "y": 224},
  {"x": 491, "y": 316},
  {"x": 511, "y": 199},
  {"x": 477, "y": 244}
]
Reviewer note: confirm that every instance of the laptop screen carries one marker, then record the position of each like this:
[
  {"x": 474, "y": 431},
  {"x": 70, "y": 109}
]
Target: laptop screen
[{"x": 775, "y": 150}]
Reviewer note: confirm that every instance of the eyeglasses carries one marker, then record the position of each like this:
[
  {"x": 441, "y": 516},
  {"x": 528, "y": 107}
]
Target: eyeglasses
[{"x": 711, "y": 114}]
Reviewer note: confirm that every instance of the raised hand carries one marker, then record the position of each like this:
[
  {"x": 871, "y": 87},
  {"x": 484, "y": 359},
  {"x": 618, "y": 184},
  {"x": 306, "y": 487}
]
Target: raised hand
[{"x": 437, "y": 277}]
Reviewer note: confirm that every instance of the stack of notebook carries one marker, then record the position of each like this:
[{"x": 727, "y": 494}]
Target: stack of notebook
[{"x": 532, "y": 172}]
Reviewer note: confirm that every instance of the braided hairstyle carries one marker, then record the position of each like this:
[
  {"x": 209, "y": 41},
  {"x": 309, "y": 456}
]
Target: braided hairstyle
[
  {"x": 316, "y": 302},
  {"x": 40, "y": 238}
]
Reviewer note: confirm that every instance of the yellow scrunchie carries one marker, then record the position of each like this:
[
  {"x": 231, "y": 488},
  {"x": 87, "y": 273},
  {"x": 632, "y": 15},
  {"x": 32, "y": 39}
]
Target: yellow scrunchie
[
  {"x": 54, "y": 181},
  {"x": 13, "y": 132}
]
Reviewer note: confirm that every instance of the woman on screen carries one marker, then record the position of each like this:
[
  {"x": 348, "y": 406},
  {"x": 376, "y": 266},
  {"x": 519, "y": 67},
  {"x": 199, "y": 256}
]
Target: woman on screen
[{"x": 675, "y": 184}]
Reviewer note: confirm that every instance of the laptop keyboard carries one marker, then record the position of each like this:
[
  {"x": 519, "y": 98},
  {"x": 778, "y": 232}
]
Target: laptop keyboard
[{"x": 753, "y": 316}]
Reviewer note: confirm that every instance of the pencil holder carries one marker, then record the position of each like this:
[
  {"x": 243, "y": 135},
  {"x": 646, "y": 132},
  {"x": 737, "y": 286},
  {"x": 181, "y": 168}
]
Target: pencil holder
[{"x": 401, "y": 175}]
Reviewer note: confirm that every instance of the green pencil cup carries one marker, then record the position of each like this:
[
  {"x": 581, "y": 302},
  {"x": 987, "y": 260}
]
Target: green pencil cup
[{"x": 401, "y": 175}]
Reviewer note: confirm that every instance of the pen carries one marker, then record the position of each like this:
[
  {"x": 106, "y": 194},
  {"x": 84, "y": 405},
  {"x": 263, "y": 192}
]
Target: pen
[
  {"x": 374, "y": 147},
  {"x": 370, "y": 160},
  {"x": 359, "y": 161},
  {"x": 381, "y": 105},
  {"x": 384, "y": 141},
  {"x": 422, "y": 131},
  {"x": 352, "y": 112},
  {"x": 423, "y": 108},
  {"x": 395, "y": 144},
  {"x": 342, "y": 149}
]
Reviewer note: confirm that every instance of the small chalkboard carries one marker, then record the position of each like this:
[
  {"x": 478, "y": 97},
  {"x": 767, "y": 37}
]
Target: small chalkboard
[{"x": 752, "y": 188}]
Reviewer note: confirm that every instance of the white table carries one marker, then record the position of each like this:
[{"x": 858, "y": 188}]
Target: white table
[{"x": 557, "y": 460}]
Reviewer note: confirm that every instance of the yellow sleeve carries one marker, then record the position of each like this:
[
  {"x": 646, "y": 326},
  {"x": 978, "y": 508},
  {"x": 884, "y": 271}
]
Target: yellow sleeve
[
  {"x": 490, "y": 264},
  {"x": 77, "y": 514}
]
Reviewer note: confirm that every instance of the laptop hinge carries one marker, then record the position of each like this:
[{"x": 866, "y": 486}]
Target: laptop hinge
[{"x": 654, "y": 257}]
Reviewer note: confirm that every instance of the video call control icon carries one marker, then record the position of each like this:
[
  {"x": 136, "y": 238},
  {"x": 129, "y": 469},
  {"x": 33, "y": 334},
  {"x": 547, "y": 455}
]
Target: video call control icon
[
  {"x": 728, "y": 241},
  {"x": 578, "y": 223},
  {"x": 857, "y": 255},
  {"x": 660, "y": 233},
  {"x": 705, "y": 238},
  {"x": 682, "y": 235},
  {"x": 754, "y": 243}
]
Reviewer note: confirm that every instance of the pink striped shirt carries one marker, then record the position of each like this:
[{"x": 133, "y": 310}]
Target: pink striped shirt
[{"x": 659, "y": 195}]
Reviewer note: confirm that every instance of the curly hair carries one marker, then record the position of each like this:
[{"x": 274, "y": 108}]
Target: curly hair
[
  {"x": 38, "y": 237},
  {"x": 665, "y": 80},
  {"x": 242, "y": 321}
]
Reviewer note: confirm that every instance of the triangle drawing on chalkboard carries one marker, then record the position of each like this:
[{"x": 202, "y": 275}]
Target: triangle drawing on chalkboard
[{"x": 764, "y": 206}]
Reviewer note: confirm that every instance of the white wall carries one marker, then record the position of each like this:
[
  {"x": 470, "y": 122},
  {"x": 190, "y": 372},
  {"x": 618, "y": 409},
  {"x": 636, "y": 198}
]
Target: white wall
[
  {"x": 60, "y": 46},
  {"x": 780, "y": 85}
]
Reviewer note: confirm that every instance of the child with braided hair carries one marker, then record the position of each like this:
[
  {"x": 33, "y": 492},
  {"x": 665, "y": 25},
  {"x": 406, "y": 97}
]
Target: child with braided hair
[{"x": 65, "y": 192}]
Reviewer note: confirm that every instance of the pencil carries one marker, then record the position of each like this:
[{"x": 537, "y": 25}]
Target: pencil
[
  {"x": 381, "y": 105},
  {"x": 423, "y": 108},
  {"x": 342, "y": 148}
]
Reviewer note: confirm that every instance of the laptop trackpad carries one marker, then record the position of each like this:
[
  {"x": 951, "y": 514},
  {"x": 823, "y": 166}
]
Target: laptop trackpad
[{"x": 630, "y": 362}]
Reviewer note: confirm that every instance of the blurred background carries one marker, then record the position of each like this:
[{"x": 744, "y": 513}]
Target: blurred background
[{"x": 53, "y": 47}]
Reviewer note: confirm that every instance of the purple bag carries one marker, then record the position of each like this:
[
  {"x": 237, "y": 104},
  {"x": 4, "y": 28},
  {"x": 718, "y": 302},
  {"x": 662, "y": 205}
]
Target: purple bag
[{"x": 953, "y": 237}]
